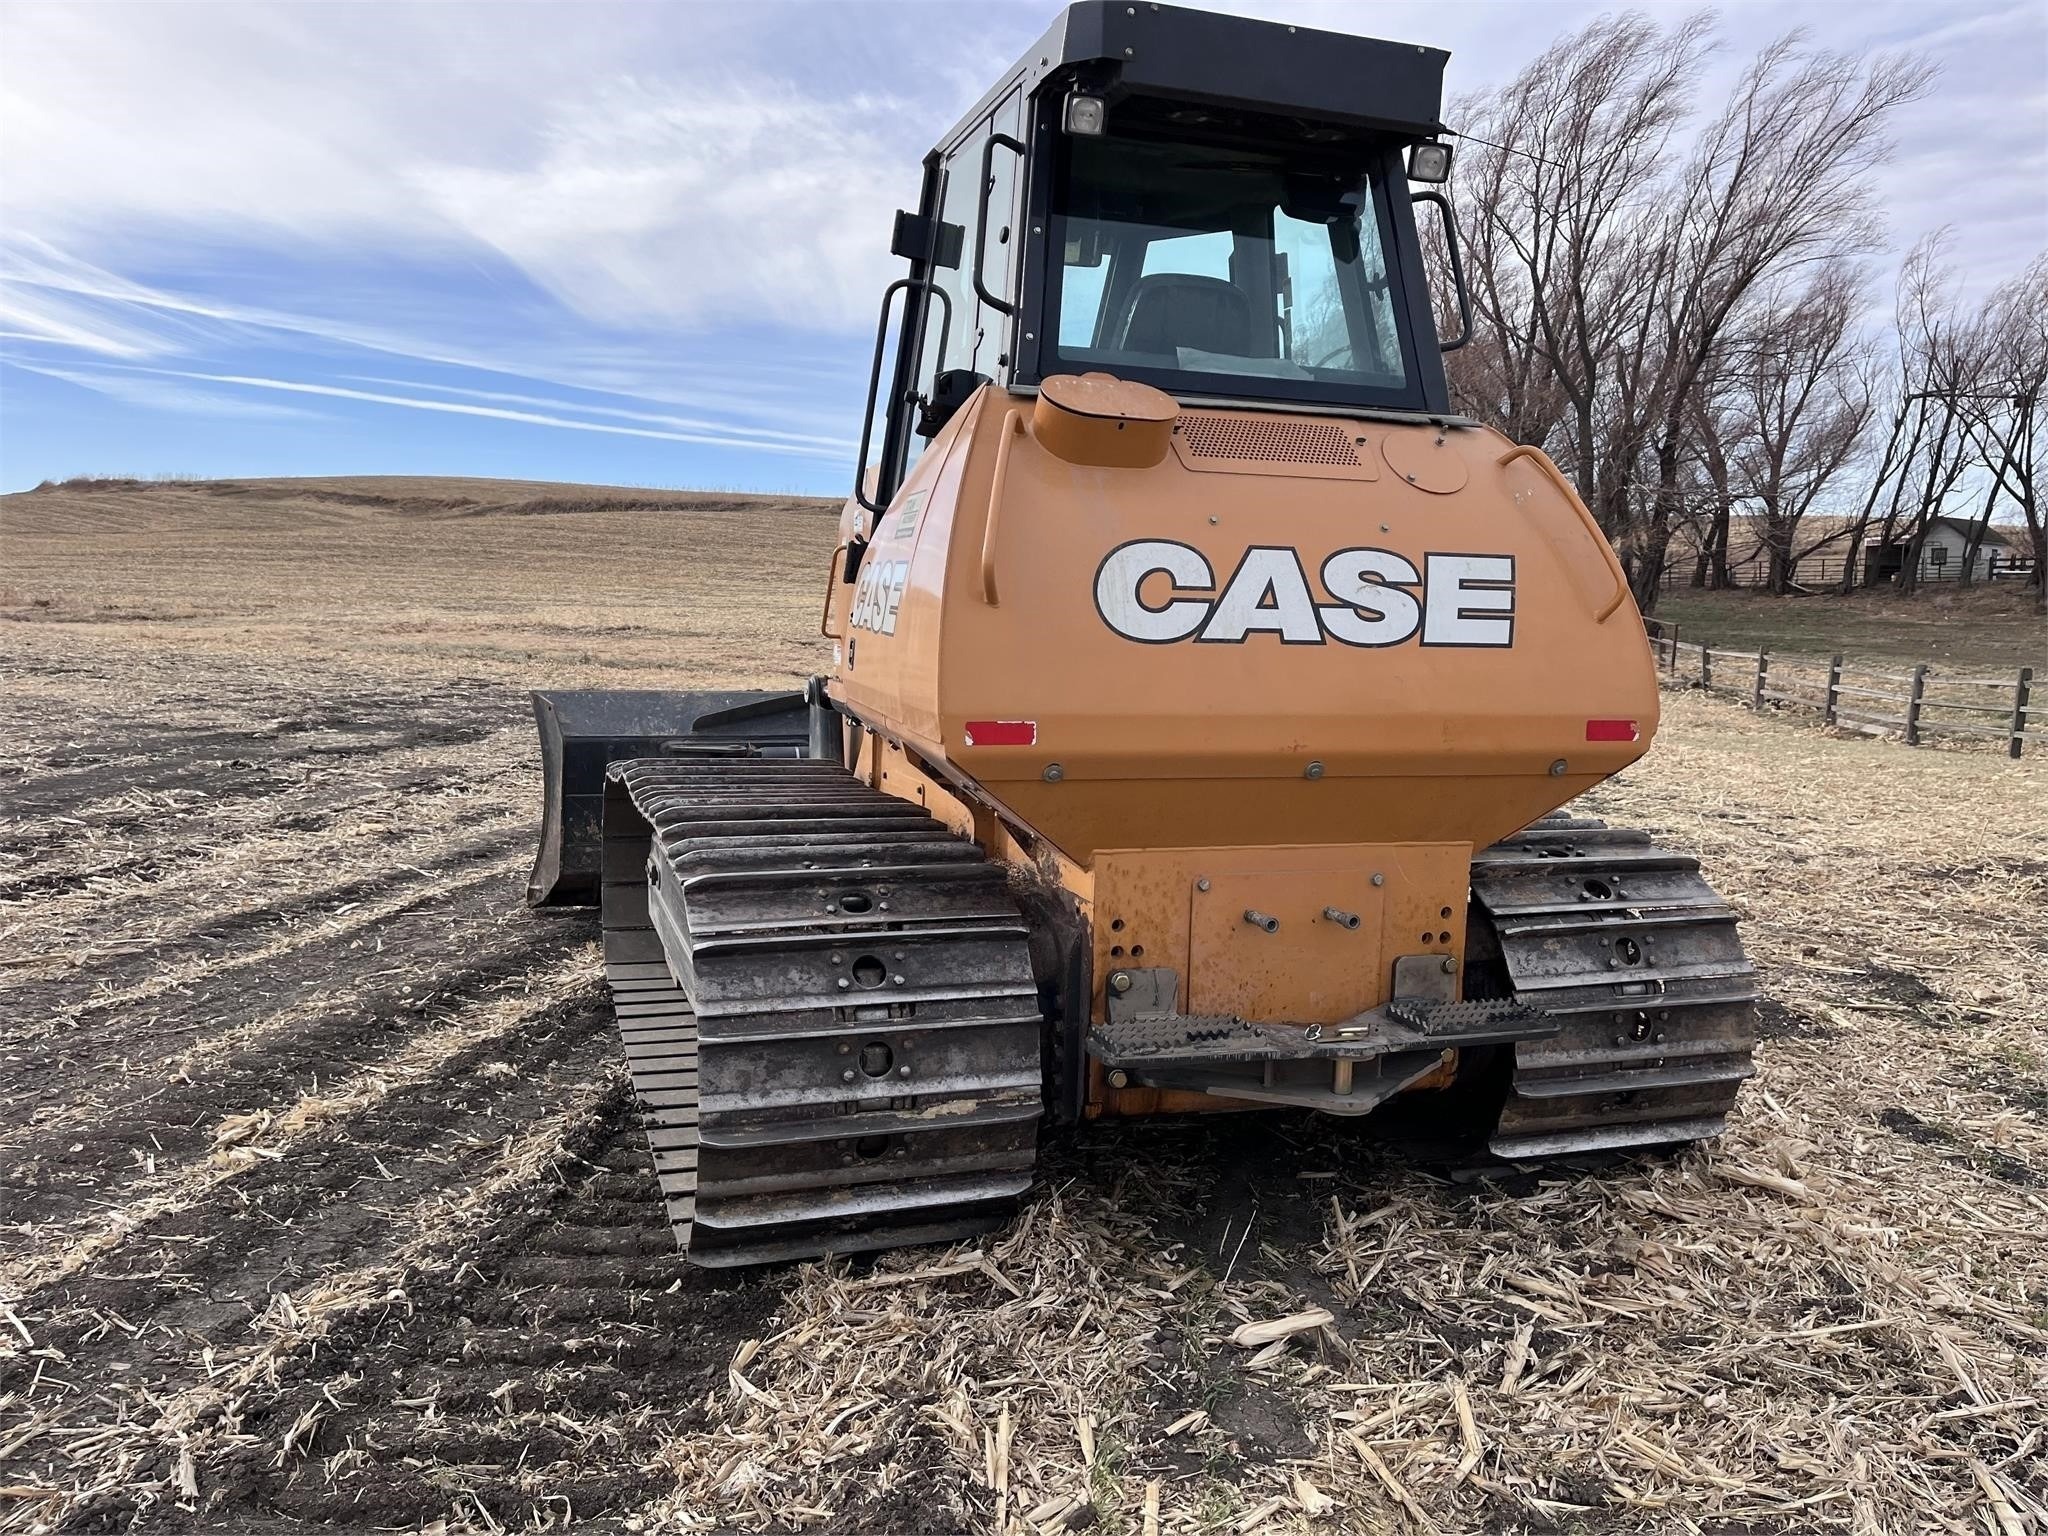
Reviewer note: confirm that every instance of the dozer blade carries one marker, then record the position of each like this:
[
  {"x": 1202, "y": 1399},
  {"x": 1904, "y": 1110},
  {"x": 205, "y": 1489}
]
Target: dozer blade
[{"x": 582, "y": 731}]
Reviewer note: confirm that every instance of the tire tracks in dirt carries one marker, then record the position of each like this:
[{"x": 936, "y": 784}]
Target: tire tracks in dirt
[
  {"x": 94, "y": 784},
  {"x": 251, "y": 1241},
  {"x": 189, "y": 850},
  {"x": 538, "y": 1370},
  {"x": 147, "y": 1449},
  {"x": 425, "y": 1273},
  {"x": 191, "y": 760},
  {"x": 355, "y": 825},
  {"x": 312, "y": 1118},
  {"x": 72, "y": 746},
  {"x": 494, "y": 1364},
  {"x": 147, "y": 967},
  {"x": 160, "y": 1112}
]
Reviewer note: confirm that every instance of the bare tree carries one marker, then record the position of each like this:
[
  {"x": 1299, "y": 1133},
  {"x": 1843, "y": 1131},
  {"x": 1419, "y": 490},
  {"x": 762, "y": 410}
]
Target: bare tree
[
  {"x": 1609, "y": 271},
  {"x": 2007, "y": 412},
  {"x": 1916, "y": 313},
  {"x": 1714, "y": 427},
  {"x": 1944, "y": 349},
  {"x": 1805, "y": 393},
  {"x": 1778, "y": 182},
  {"x": 1899, "y": 448},
  {"x": 1561, "y": 170}
]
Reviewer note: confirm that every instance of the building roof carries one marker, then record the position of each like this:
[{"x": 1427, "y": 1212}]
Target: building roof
[{"x": 1996, "y": 536}]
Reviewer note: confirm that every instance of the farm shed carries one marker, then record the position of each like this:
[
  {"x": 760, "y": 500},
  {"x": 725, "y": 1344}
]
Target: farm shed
[{"x": 1942, "y": 553}]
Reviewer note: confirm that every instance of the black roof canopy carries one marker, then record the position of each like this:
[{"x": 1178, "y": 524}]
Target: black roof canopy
[{"x": 1131, "y": 46}]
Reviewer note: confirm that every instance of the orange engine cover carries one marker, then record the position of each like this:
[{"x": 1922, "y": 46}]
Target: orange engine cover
[{"x": 1135, "y": 627}]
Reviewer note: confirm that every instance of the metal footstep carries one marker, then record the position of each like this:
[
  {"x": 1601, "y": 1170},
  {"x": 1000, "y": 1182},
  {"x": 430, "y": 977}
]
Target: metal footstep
[
  {"x": 1405, "y": 1024},
  {"x": 1346, "y": 1068}
]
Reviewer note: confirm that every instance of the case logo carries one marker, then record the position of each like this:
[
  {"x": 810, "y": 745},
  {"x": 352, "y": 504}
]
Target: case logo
[
  {"x": 878, "y": 594},
  {"x": 1157, "y": 592}
]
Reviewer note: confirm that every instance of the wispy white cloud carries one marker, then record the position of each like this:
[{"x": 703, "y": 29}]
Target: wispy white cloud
[
  {"x": 294, "y": 120},
  {"x": 52, "y": 319},
  {"x": 689, "y": 423},
  {"x": 500, "y": 413},
  {"x": 685, "y": 201},
  {"x": 630, "y": 174},
  {"x": 122, "y": 316},
  {"x": 53, "y": 297},
  {"x": 682, "y": 208},
  {"x": 686, "y": 166},
  {"x": 159, "y": 394}
]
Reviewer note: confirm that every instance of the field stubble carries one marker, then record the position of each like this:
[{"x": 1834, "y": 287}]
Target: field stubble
[{"x": 320, "y": 1199}]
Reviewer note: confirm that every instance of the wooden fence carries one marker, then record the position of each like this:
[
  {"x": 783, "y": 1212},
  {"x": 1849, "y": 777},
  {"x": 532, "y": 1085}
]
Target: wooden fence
[
  {"x": 1825, "y": 571},
  {"x": 1918, "y": 705}
]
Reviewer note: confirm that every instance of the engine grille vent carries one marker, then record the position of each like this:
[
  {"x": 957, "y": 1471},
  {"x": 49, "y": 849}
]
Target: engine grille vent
[{"x": 1263, "y": 440}]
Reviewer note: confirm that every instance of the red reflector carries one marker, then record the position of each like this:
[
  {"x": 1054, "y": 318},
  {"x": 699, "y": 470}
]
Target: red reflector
[
  {"x": 1002, "y": 733},
  {"x": 1611, "y": 730}
]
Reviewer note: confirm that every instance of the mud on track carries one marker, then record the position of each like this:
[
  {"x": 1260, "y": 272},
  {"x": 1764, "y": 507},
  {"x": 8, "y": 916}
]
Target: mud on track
[{"x": 321, "y": 1205}]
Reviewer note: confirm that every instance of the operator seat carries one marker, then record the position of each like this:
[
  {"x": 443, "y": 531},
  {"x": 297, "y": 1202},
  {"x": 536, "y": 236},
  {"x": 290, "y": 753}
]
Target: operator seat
[{"x": 1180, "y": 309}]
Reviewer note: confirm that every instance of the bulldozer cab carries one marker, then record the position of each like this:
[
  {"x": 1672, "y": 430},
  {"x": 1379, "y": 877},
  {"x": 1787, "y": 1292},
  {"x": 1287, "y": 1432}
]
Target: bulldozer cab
[{"x": 1214, "y": 206}]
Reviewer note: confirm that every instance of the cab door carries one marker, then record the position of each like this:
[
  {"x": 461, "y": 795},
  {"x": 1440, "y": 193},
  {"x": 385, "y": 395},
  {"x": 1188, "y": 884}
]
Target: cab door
[
  {"x": 965, "y": 327},
  {"x": 983, "y": 300}
]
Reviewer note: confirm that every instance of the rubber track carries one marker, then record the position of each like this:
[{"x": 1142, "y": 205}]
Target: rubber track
[
  {"x": 827, "y": 1008},
  {"x": 1631, "y": 947}
]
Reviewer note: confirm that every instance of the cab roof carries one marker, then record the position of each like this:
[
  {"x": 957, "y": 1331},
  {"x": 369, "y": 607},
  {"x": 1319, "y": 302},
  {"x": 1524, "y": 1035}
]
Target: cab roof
[{"x": 1123, "y": 47}]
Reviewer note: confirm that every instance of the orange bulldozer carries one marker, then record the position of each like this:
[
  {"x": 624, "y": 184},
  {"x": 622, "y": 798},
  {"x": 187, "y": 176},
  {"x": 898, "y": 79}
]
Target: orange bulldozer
[{"x": 1204, "y": 694}]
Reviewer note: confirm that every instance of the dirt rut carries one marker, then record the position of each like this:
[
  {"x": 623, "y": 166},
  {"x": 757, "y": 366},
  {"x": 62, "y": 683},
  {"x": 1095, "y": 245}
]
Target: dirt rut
[{"x": 319, "y": 1196}]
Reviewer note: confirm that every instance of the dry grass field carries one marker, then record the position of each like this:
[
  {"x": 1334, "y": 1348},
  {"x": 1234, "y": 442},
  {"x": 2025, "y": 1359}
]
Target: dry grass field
[
  {"x": 1991, "y": 628},
  {"x": 321, "y": 1203}
]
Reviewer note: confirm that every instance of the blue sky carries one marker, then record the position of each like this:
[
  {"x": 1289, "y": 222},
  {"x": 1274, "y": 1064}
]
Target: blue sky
[{"x": 638, "y": 244}]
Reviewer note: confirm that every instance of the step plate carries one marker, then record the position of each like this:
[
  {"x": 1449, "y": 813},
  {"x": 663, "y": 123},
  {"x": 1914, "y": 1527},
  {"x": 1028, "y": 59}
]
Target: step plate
[{"x": 1405, "y": 1024}]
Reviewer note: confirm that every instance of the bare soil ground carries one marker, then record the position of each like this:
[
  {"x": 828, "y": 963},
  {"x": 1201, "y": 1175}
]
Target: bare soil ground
[{"x": 321, "y": 1203}]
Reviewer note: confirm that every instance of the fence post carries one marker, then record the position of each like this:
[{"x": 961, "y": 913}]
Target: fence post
[
  {"x": 1706, "y": 667},
  {"x": 1913, "y": 705},
  {"x": 2019, "y": 710},
  {"x": 1763, "y": 667},
  {"x": 1674, "y": 649},
  {"x": 1834, "y": 687}
]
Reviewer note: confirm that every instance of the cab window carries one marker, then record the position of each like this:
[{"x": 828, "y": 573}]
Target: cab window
[{"x": 1189, "y": 265}]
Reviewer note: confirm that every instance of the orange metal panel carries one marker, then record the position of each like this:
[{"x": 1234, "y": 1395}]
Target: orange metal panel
[
  {"x": 1212, "y": 738},
  {"x": 1307, "y": 969},
  {"x": 1150, "y": 910}
]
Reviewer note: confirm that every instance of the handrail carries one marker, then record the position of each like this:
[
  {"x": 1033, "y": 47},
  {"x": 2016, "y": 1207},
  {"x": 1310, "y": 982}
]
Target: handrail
[
  {"x": 867, "y": 419},
  {"x": 832, "y": 580},
  {"x": 1543, "y": 462},
  {"x": 1457, "y": 269},
  {"x": 1013, "y": 429},
  {"x": 988, "y": 185}
]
